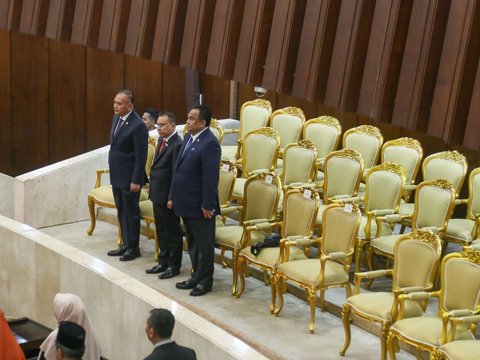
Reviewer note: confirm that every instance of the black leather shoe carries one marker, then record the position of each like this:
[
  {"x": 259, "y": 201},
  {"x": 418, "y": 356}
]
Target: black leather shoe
[
  {"x": 169, "y": 273},
  {"x": 200, "y": 290},
  {"x": 117, "y": 252},
  {"x": 157, "y": 269},
  {"x": 130, "y": 254},
  {"x": 186, "y": 285}
]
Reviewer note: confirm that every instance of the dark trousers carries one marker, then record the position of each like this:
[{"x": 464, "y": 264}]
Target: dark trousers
[
  {"x": 201, "y": 247},
  {"x": 128, "y": 212},
  {"x": 169, "y": 236}
]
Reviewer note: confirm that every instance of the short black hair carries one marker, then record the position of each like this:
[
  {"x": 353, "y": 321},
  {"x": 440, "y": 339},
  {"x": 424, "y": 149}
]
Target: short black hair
[
  {"x": 162, "y": 321},
  {"x": 153, "y": 114},
  {"x": 204, "y": 113},
  {"x": 172, "y": 119},
  {"x": 129, "y": 94}
]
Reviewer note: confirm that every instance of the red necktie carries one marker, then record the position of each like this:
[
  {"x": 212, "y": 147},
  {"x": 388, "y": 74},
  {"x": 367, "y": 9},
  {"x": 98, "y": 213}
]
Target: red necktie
[{"x": 162, "y": 146}]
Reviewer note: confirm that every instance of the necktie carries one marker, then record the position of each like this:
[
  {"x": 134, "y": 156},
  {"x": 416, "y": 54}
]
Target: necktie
[
  {"x": 119, "y": 125},
  {"x": 187, "y": 146},
  {"x": 162, "y": 146}
]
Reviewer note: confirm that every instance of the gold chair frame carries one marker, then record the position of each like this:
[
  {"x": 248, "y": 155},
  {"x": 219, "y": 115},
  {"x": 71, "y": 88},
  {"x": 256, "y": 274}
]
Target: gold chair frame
[
  {"x": 292, "y": 111},
  {"x": 367, "y": 130},
  {"x": 305, "y": 144},
  {"x": 325, "y": 121}
]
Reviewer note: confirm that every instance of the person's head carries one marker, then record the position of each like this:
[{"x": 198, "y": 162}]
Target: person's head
[
  {"x": 70, "y": 342},
  {"x": 166, "y": 123},
  {"x": 198, "y": 119},
  {"x": 160, "y": 325},
  {"x": 149, "y": 118},
  {"x": 123, "y": 102}
]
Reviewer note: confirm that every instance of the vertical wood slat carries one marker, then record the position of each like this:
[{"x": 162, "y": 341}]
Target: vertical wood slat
[
  {"x": 283, "y": 45},
  {"x": 472, "y": 128},
  {"x": 29, "y": 98},
  {"x": 5, "y": 9},
  {"x": 451, "y": 70},
  {"x": 56, "y": 12},
  {"x": 316, "y": 44},
  {"x": 169, "y": 31},
  {"x": 253, "y": 41},
  {"x": 27, "y": 18},
  {"x": 14, "y": 13},
  {"x": 67, "y": 100},
  {"x": 224, "y": 39},
  {"x": 82, "y": 21},
  {"x": 113, "y": 24},
  {"x": 5, "y": 104},
  {"x": 135, "y": 27},
  {"x": 196, "y": 35},
  {"x": 149, "y": 24}
]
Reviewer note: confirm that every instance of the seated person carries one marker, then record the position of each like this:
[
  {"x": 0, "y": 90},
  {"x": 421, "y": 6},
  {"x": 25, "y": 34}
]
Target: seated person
[
  {"x": 69, "y": 307},
  {"x": 149, "y": 117},
  {"x": 159, "y": 330},
  {"x": 70, "y": 342},
  {"x": 9, "y": 348}
]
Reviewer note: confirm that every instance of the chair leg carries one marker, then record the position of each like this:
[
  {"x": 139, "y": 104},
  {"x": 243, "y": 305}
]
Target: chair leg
[
  {"x": 235, "y": 256},
  {"x": 312, "y": 301},
  {"x": 157, "y": 250},
  {"x": 266, "y": 278},
  {"x": 278, "y": 288},
  {"x": 322, "y": 299},
  {"x": 358, "y": 254},
  {"x": 273, "y": 281},
  {"x": 391, "y": 346},
  {"x": 383, "y": 341},
  {"x": 120, "y": 236},
  {"x": 222, "y": 258},
  {"x": 241, "y": 267},
  {"x": 93, "y": 220},
  {"x": 346, "y": 327}
]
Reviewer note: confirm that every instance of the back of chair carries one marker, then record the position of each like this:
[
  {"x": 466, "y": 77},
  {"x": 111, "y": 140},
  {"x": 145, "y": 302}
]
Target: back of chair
[
  {"x": 261, "y": 196},
  {"x": 416, "y": 260},
  {"x": 406, "y": 152},
  {"x": 449, "y": 165},
  {"x": 343, "y": 173},
  {"x": 473, "y": 206},
  {"x": 289, "y": 123},
  {"x": 434, "y": 203},
  {"x": 340, "y": 228},
  {"x": 226, "y": 182},
  {"x": 254, "y": 115},
  {"x": 300, "y": 207},
  {"x": 460, "y": 287},
  {"x": 217, "y": 129},
  {"x": 324, "y": 132},
  {"x": 299, "y": 162},
  {"x": 367, "y": 140},
  {"x": 260, "y": 150},
  {"x": 384, "y": 187},
  {"x": 150, "y": 156}
]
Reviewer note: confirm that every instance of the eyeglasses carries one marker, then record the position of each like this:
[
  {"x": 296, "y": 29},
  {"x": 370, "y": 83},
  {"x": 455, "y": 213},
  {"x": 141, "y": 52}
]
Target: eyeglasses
[{"x": 159, "y": 126}]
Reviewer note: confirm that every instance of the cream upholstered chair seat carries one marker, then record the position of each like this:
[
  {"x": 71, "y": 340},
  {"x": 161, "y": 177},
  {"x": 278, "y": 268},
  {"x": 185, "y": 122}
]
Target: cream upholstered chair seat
[
  {"x": 416, "y": 258},
  {"x": 460, "y": 350},
  {"x": 229, "y": 152},
  {"x": 458, "y": 307},
  {"x": 231, "y": 236},
  {"x": 269, "y": 257},
  {"x": 332, "y": 266},
  {"x": 460, "y": 230},
  {"x": 385, "y": 244}
]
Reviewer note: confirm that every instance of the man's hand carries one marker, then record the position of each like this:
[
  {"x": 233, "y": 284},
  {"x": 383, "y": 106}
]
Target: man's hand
[
  {"x": 170, "y": 204},
  {"x": 208, "y": 214},
  {"x": 134, "y": 187}
]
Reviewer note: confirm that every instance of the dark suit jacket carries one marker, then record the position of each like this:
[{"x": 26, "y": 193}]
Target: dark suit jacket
[
  {"x": 128, "y": 152},
  {"x": 162, "y": 169},
  {"x": 172, "y": 351},
  {"x": 195, "y": 180}
]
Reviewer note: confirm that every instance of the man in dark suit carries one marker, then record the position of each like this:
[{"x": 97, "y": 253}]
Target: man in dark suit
[
  {"x": 167, "y": 224},
  {"x": 194, "y": 196},
  {"x": 126, "y": 159},
  {"x": 159, "y": 330}
]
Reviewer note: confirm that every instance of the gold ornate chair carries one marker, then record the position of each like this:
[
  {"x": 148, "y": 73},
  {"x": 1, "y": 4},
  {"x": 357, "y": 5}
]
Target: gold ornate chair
[
  {"x": 324, "y": 132},
  {"x": 253, "y": 115},
  {"x": 434, "y": 203},
  {"x": 367, "y": 140},
  {"x": 384, "y": 188},
  {"x": 262, "y": 192},
  {"x": 343, "y": 173},
  {"x": 459, "y": 350},
  {"x": 226, "y": 182},
  {"x": 330, "y": 269},
  {"x": 300, "y": 208},
  {"x": 458, "y": 303},
  {"x": 102, "y": 195},
  {"x": 288, "y": 122},
  {"x": 463, "y": 231},
  {"x": 450, "y": 165},
  {"x": 259, "y": 154},
  {"x": 406, "y": 152},
  {"x": 416, "y": 259}
]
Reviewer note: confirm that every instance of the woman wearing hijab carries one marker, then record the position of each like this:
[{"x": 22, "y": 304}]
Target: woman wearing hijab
[{"x": 69, "y": 307}]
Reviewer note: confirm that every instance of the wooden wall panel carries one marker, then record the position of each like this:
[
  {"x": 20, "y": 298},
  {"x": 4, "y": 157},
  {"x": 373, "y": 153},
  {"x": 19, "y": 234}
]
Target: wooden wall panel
[
  {"x": 82, "y": 21},
  {"x": 310, "y": 109},
  {"x": 60, "y": 19},
  {"x": 216, "y": 95},
  {"x": 104, "y": 77},
  {"x": 27, "y": 17},
  {"x": 223, "y": 45},
  {"x": 67, "y": 100},
  {"x": 5, "y": 104},
  {"x": 169, "y": 31},
  {"x": 283, "y": 44},
  {"x": 174, "y": 92},
  {"x": 246, "y": 93},
  {"x": 109, "y": 25},
  {"x": 14, "y": 14},
  {"x": 315, "y": 48},
  {"x": 144, "y": 78},
  {"x": 472, "y": 128},
  {"x": 253, "y": 41},
  {"x": 29, "y": 102},
  {"x": 5, "y": 7}
]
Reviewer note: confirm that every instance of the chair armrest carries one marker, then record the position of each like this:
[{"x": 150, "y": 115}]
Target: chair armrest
[
  {"x": 257, "y": 171},
  {"x": 231, "y": 209},
  {"x": 355, "y": 199},
  {"x": 359, "y": 276},
  {"x": 230, "y": 131},
  {"x": 461, "y": 201},
  {"x": 260, "y": 224},
  {"x": 409, "y": 187},
  {"x": 414, "y": 296},
  {"x": 434, "y": 229},
  {"x": 340, "y": 197},
  {"x": 100, "y": 172},
  {"x": 339, "y": 255}
]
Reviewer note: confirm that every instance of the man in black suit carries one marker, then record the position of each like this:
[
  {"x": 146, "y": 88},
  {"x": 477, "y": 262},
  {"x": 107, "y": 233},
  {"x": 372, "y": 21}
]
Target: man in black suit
[
  {"x": 194, "y": 196},
  {"x": 167, "y": 224},
  {"x": 126, "y": 159},
  {"x": 159, "y": 330}
]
